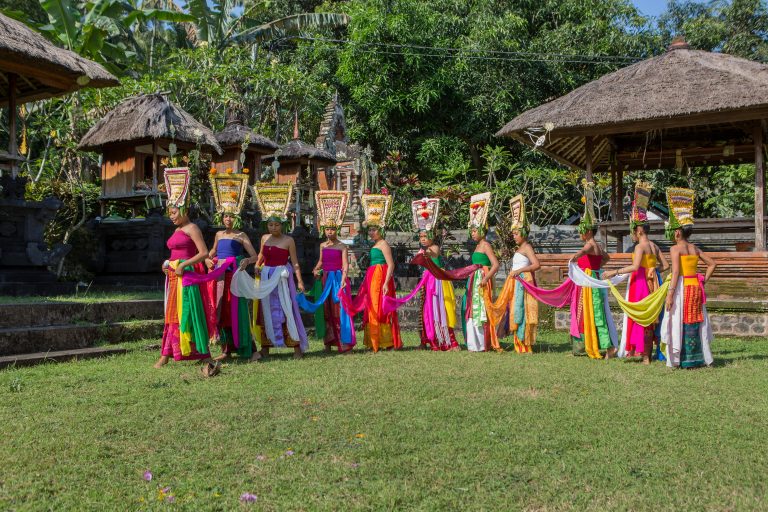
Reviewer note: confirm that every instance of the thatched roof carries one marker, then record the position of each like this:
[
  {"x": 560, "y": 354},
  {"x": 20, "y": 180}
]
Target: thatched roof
[
  {"x": 43, "y": 70},
  {"x": 299, "y": 150},
  {"x": 234, "y": 134},
  {"x": 677, "y": 90},
  {"x": 145, "y": 117}
]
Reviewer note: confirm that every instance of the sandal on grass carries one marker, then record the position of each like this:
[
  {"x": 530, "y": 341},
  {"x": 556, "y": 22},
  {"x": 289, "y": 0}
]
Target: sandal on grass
[{"x": 211, "y": 369}]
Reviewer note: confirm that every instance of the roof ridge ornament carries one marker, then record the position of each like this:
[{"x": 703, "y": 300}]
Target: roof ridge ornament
[{"x": 678, "y": 43}]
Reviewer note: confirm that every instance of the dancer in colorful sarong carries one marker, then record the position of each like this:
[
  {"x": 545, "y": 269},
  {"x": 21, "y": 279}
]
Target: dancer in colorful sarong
[
  {"x": 592, "y": 326},
  {"x": 516, "y": 311},
  {"x": 381, "y": 329},
  {"x": 645, "y": 278},
  {"x": 233, "y": 320},
  {"x": 590, "y": 315},
  {"x": 438, "y": 302},
  {"x": 332, "y": 322},
  {"x": 189, "y": 321},
  {"x": 685, "y": 330},
  {"x": 477, "y": 319},
  {"x": 276, "y": 316}
]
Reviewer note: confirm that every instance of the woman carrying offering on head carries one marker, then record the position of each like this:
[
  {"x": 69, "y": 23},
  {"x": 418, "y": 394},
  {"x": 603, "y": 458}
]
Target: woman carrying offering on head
[
  {"x": 519, "y": 310},
  {"x": 333, "y": 324},
  {"x": 475, "y": 307},
  {"x": 189, "y": 321},
  {"x": 232, "y": 315},
  {"x": 590, "y": 316},
  {"x": 276, "y": 316},
  {"x": 644, "y": 279},
  {"x": 685, "y": 329},
  {"x": 381, "y": 329}
]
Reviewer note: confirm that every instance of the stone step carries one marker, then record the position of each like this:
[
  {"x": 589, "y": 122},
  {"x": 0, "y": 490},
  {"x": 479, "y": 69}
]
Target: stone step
[
  {"x": 37, "y": 314},
  {"x": 61, "y": 355},
  {"x": 27, "y": 340}
]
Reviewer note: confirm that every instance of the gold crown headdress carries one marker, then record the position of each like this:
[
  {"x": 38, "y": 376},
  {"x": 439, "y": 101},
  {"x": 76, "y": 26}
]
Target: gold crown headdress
[
  {"x": 425, "y": 213},
  {"x": 376, "y": 209},
  {"x": 588, "y": 219},
  {"x": 479, "y": 205},
  {"x": 177, "y": 187},
  {"x": 229, "y": 191},
  {"x": 640, "y": 204},
  {"x": 519, "y": 220},
  {"x": 331, "y": 208},
  {"x": 274, "y": 200},
  {"x": 680, "y": 201}
]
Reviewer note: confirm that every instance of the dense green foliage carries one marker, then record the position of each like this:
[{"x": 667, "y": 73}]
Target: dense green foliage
[
  {"x": 432, "y": 81},
  {"x": 393, "y": 431}
]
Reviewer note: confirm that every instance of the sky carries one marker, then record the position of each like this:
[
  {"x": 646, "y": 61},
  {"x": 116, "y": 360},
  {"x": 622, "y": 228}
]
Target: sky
[{"x": 651, "y": 7}]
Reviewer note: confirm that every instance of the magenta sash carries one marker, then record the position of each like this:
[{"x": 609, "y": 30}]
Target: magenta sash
[
  {"x": 391, "y": 304},
  {"x": 557, "y": 297},
  {"x": 440, "y": 273},
  {"x": 193, "y": 278}
]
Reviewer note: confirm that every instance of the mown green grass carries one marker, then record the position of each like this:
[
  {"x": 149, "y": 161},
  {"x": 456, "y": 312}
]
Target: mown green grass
[
  {"x": 89, "y": 297},
  {"x": 392, "y": 431}
]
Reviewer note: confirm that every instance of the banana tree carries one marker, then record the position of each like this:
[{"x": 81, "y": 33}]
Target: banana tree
[
  {"x": 222, "y": 23},
  {"x": 101, "y": 30}
]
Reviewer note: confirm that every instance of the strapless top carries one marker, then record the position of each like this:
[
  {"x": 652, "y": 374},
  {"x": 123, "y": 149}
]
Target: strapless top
[
  {"x": 377, "y": 257},
  {"x": 520, "y": 260},
  {"x": 480, "y": 258},
  {"x": 181, "y": 245},
  {"x": 590, "y": 261},
  {"x": 331, "y": 259},
  {"x": 229, "y": 247},
  {"x": 689, "y": 262},
  {"x": 648, "y": 261},
  {"x": 275, "y": 256}
]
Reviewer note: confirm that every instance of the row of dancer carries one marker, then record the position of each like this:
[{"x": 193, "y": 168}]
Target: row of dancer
[{"x": 213, "y": 304}]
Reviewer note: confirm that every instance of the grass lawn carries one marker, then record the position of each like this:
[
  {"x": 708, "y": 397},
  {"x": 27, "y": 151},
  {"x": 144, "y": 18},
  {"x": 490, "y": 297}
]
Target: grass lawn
[
  {"x": 407, "y": 430},
  {"x": 89, "y": 297}
]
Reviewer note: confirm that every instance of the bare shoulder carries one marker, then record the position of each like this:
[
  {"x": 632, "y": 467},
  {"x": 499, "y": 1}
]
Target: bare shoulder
[{"x": 192, "y": 229}]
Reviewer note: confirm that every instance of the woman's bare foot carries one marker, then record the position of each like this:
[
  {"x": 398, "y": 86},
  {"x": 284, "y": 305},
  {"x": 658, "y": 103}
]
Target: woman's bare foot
[
  {"x": 646, "y": 360},
  {"x": 256, "y": 357},
  {"x": 297, "y": 353},
  {"x": 161, "y": 362},
  {"x": 264, "y": 351},
  {"x": 327, "y": 349},
  {"x": 610, "y": 353}
]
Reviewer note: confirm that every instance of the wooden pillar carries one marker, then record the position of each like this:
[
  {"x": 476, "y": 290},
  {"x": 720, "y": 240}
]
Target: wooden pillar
[
  {"x": 757, "y": 137},
  {"x": 588, "y": 147},
  {"x": 618, "y": 213},
  {"x": 13, "y": 148},
  {"x": 614, "y": 194},
  {"x": 155, "y": 166}
]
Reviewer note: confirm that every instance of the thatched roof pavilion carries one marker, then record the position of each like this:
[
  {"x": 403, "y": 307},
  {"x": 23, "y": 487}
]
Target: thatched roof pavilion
[
  {"x": 682, "y": 108},
  {"x": 145, "y": 118},
  {"x": 235, "y": 133},
  {"x": 35, "y": 69},
  {"x": 298, "y": 150},
  {"x": 44, "y": 70},
  {"x": 231, "y": 140},
  {"x": 134, "y": 136},
  {"x": 307, "y": 167}
]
